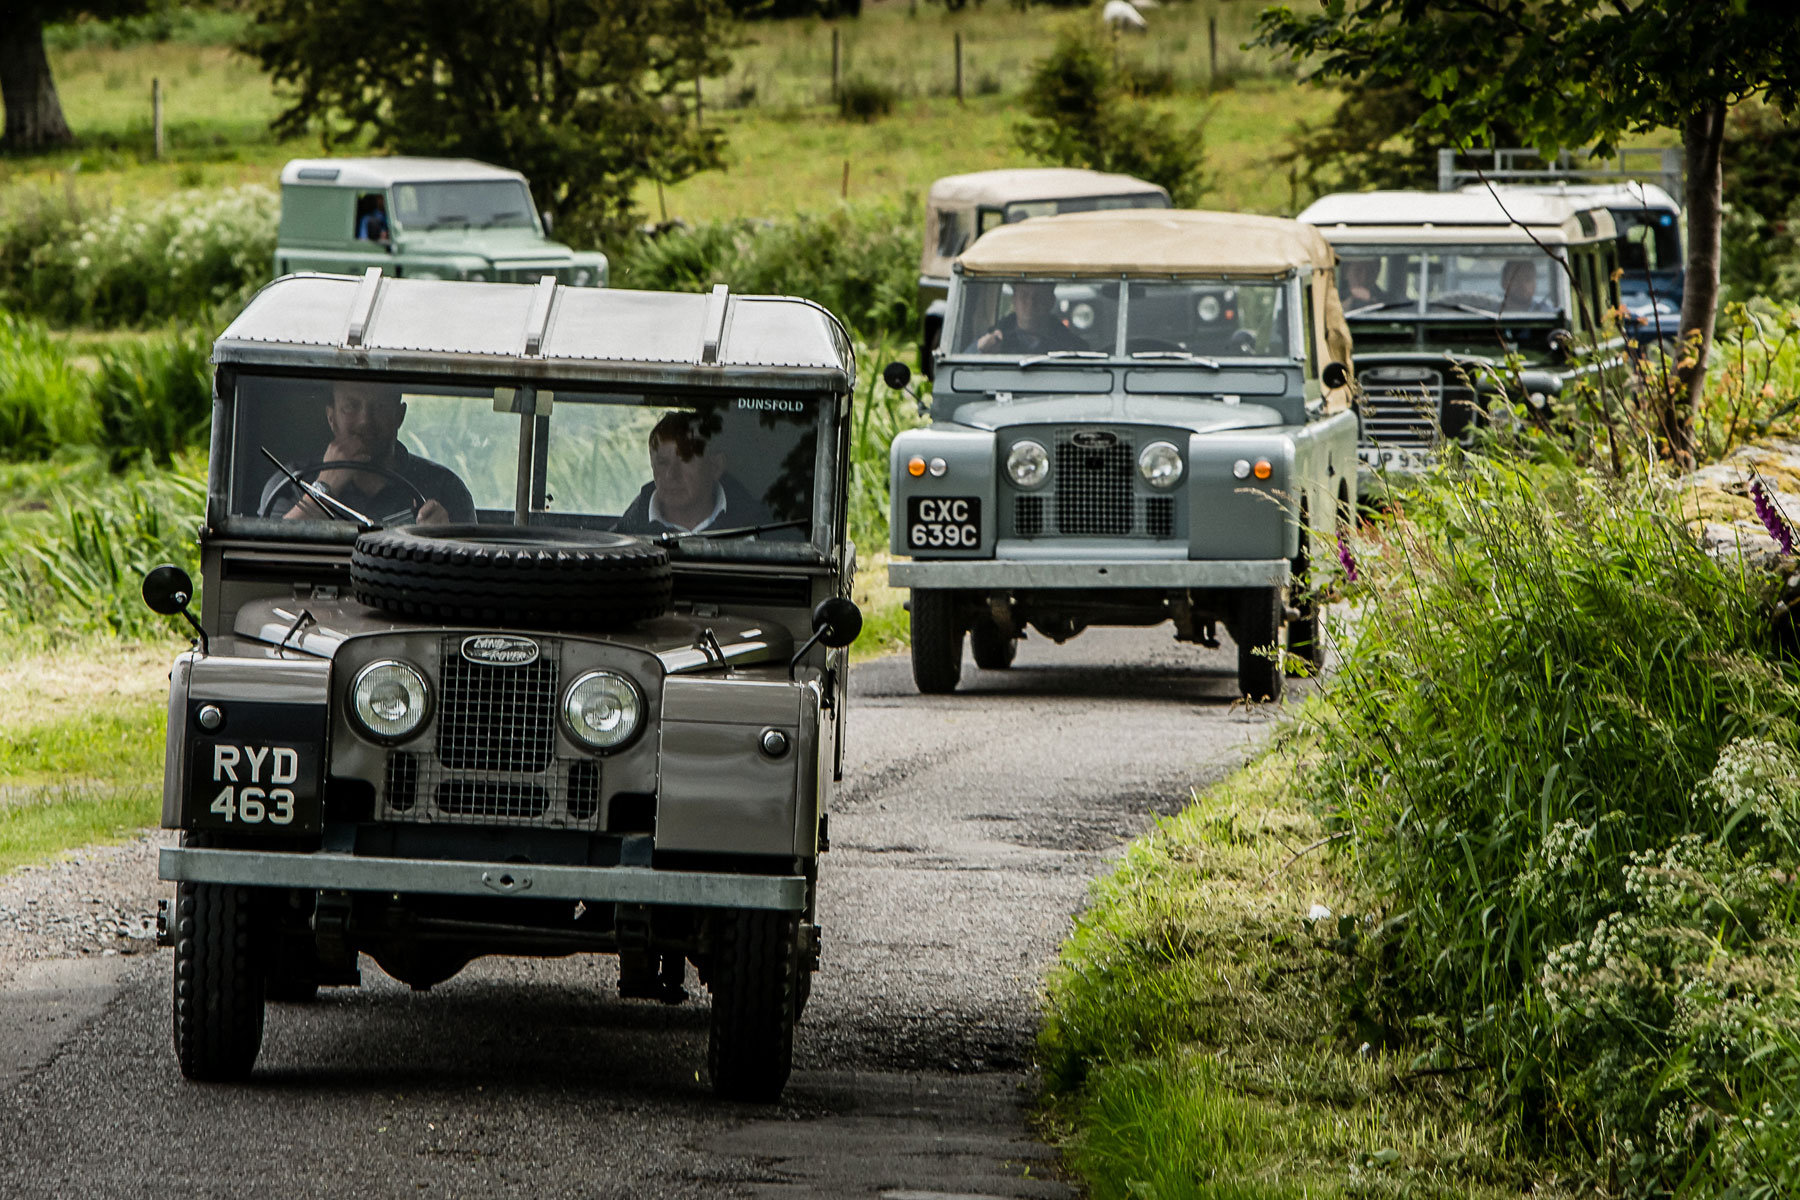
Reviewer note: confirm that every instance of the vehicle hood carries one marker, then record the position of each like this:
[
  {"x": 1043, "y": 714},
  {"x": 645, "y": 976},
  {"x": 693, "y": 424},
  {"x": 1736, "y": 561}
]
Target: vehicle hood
[
  {"x": 513, "y": 245},
  {"x": 1490, "y": 373},
  {"x": 1181, "y": 412},
  {"x": 676, "y": 639}
]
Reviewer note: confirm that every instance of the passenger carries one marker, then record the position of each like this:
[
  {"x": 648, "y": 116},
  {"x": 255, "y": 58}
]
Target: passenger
[
  {"x": 1033, "y": 327},
  {"x": 372, "y": 226},
  {"x": 364, "y": 419},
  {"x": 1518, "y": 286},
  {"x": 689, "y": 489}
]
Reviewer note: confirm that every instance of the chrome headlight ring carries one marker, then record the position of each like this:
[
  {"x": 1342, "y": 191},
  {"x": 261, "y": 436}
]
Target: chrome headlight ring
[
  {"x": 1160, "y": 464},
  {"x": 1027, "y": 464},
  {"x": 390, "y": 700},
  {"x": 603, "y": 710}
]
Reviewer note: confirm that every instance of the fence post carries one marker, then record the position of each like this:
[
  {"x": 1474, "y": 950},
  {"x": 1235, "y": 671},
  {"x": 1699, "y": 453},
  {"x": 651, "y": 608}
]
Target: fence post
[
  {"x": 837, "y": 65},
  {"x": 844, "y": 189},
  {"x": 959, "y": 65},
  {"x": 1212, "y": 52},
  {"x": 156, "y": 124}
]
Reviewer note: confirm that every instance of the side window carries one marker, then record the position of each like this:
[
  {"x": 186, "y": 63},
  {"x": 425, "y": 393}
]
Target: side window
[
  {"x": 952, "y": 231},
  {"x": 1312, "y": 328},
  {"x": 370, "y": 221},
  {"x": 993, "y": 218}
]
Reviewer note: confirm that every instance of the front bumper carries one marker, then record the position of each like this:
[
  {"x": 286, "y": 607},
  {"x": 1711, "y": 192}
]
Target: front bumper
[
  {"x": 1076, "y": 573},
  {"x": 328, "y": 871}
]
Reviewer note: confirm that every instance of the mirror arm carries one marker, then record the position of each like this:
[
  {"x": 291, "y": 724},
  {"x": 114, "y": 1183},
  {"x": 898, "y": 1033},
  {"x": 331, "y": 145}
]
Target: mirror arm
[
  {"x": 804, "y": 647},
  {"x": 199, "y": 633}
]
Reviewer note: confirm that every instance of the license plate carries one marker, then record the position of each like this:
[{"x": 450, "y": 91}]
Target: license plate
[
  {"x": 943, "y": 522},
  {"x": 249, "y": 786},
  {"x": 1395, "y": 458}
]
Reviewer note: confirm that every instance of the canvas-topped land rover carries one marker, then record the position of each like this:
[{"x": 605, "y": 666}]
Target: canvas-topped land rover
[
  {"x": 521, "y": 633},
  {"x": 1139, "y": 417}
]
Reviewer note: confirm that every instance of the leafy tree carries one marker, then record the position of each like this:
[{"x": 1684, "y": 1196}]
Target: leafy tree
[
  {"x": 1573, "y": 74},
  {"x": 1368, "y": 141},
  {"x": 586, "y": 97},
  {"x": 1081, "y": 116},
  {"x": 34, "y": 118}
]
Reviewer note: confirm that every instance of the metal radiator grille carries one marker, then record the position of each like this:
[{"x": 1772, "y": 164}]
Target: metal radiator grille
[
  {"x": 1093, "y": 486},
  {"x": 1402, "y": 405},
  {"x": 495, "y": 718}
]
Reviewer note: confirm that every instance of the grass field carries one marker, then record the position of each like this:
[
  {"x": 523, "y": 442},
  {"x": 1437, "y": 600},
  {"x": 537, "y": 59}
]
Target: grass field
[{"x": 788, "y": 146}]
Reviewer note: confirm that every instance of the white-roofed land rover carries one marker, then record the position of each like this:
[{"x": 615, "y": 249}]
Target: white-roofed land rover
[
  {"x": 1139, "y": 417},
  {"x": 521, "y": 632}
]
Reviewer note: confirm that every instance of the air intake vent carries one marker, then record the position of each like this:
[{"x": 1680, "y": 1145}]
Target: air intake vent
[
  {"x": 1028, "y": 516},
  {"x": 401, "y": 787},
  {"x": 584, "y": 791},
  {"x": 491, "y": 798},
  {"x": 1159, "y": 516}
]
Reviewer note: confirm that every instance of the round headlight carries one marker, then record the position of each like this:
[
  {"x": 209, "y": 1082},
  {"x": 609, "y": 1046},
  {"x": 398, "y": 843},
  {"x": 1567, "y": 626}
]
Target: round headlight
[
  {"x": 390, "y": 699},
  {"x": 582, "y": 277},
  {"x": 603, "y": 710},
  {"x": 1209, "y": 308},
  {"x": 477, "y": 276},
  {"x": 1027, "y": 464},
  {"x": 1160, "y": 465},
  {"x": 1082, "y": 315}
]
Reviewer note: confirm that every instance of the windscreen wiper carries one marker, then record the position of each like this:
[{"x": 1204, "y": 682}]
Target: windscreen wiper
[
  {"x": 1468, "y": 308},
  {"x": 1382, "y": 306},
  {"x": 453, "y": 217},
  {"x": 499, "y": 217},
  {"x": 323, "y": 499},
  {"x": 676, "y": 536},
  {"x": 1062, "y": 356},
  {"x": 1178, "y": 355}
]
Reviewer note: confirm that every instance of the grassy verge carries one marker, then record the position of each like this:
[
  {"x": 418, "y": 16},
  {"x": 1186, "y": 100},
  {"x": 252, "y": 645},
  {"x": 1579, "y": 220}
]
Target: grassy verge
[
  {"x": 1193, "y": 1042},
  {"x": 81, "y": 745}
]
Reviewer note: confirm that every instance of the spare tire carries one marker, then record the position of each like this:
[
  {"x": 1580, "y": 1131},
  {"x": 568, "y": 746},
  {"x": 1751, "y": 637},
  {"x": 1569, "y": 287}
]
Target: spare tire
[{"x": 547, "y": 578}]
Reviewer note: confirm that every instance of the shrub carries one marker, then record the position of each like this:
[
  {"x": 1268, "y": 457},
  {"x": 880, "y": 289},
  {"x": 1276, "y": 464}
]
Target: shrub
[
  {"x": 1537, "y": 750},
  {"x": 1081, "y": 116},
  {"x": 154, "y": 398},
  {"x": 178, "y": 257},
  {"x": 863, "y": 99},
  {"x": 44, "y": 401}
]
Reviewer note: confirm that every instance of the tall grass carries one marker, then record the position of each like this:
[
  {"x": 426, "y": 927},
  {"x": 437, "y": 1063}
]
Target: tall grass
[
  {"x": 44, "y": 401},
  {"x": 1523, "y": 751}
]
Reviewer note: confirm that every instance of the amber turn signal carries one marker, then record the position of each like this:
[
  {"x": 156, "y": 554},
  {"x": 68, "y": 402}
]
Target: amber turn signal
[
  {"x": 915, "y": 466},
  {"x": 1263, "y": 470}
]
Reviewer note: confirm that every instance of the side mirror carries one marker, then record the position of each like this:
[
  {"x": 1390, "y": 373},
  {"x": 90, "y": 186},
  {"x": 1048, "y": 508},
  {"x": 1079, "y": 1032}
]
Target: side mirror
[
  {"x": 167, "y": 589},
  {"x": 837, "y": 621},
  {"x": 896, "y": 375},
  {"x": 1334, "y": 375}
]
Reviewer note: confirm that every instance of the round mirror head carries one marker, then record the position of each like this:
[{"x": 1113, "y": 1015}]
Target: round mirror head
[
  {"x": 837, "y": 621},
  {"x": 1334, "y": 375},
  {"x": 896, "y": 375},
  {"x": 167, "y": 589}
]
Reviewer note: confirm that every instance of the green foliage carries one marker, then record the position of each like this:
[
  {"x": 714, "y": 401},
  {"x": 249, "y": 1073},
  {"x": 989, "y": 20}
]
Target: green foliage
[
  {"x": 859, "y": 261},
  {"x": 180, "y": 257},
  {"x": 165, "y": 21},
  {"x": 154, "y": 398},
  {"x": 1760, "y": 251},
  {"x": 861, "y": 98},
  {"x": 586, "y": 97},
  {"x": 1525, "y": 741},
  {"x": 1081, "y": 115},
  {"x": 44, "y": 402}
]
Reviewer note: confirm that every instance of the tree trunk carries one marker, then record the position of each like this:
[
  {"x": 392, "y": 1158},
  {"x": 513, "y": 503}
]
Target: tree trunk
[
  {"x": 34, "y": 119},
  {"x": 1703, "y": 136}
]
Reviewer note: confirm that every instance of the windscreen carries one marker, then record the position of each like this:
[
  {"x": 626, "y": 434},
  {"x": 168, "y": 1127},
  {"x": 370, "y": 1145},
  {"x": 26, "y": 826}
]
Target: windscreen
[
  {"x": 1022, "y": 209},
  {"x": 1023, "y": 317},
  {"x": 1482, "y": 281},
  {"x": 400, "y": 452},
  {"x": 1648, "y": 239},
  {"x": 484, "y": 204}
]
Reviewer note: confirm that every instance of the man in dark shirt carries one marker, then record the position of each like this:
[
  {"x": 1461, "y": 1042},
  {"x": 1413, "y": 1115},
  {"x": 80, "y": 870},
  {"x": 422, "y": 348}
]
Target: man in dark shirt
[
  {"x": 1034, "y": 326},
  {"x": 689, "y": 491},
  {"x": 365, "y": 420}
]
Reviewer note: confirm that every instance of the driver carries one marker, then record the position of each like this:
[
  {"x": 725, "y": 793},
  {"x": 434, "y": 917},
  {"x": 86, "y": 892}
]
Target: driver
[
  {"x": 364, "y": 419},
  {"x": 1034, "y": 326}
]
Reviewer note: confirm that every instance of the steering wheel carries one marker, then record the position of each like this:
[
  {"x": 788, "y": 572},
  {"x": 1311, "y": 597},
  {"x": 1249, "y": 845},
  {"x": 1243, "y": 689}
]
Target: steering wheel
[
  {"x": 313, "y": 469},
  {"x": 1149, "y": 345},
  {"x": 1244, "y": 341}
]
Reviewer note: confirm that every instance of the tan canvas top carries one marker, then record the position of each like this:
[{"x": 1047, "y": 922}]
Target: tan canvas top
[
  {"x": 1000, "y": 188},
  {"x": 1148, "y": 241}
]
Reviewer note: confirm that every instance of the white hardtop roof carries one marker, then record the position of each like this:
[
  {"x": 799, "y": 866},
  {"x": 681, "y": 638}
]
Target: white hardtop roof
[
  {"x": 1457, "y": 217},
  {"x": 1013, "y": 185},
  {"x": 1147, "y": 241},
  {"x": 1630, "y": 193},
  {"x": 382, "y": 172},
  {"x": 544, "y": 331}
]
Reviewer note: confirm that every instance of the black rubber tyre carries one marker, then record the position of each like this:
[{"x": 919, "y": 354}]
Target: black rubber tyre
[
  {"x": 993, "y": 650},
  {"x": 1306, "y": 633},
  {"x": 549, "y": 578},
  {"x": 755, "y": 984},
  {"x": 1257, "y": 631},
  {"x": 219, "y": 981},
  {"x": 936, "y": 641}
]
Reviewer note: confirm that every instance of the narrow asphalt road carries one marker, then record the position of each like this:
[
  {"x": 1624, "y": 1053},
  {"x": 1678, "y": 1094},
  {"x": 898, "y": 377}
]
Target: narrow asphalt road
[{"x": 962, "y": 842}]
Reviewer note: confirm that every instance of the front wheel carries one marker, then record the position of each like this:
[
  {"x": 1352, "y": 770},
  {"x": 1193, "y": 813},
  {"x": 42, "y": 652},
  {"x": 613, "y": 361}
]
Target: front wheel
[
  {"x": 755, "y": 984},
  {"x": 219, "y": 981},
  {"x": 1257, "y": 631},
  {"x": 936, "y": 641}
]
